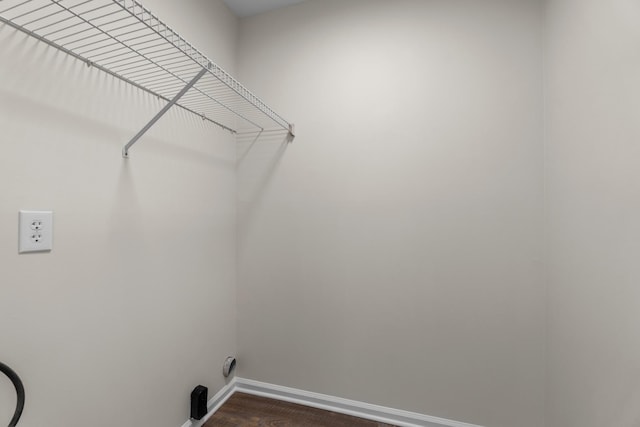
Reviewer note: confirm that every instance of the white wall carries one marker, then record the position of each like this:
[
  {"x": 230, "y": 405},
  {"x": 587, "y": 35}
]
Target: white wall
[
  {"x": 392, "y": 253},
  {"x": 136, "y": 304},
  {"x": 593, "y": 210}
]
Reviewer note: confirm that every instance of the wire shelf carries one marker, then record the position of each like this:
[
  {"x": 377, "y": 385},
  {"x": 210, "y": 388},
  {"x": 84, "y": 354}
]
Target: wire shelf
[{"x": 124, "y": 39}]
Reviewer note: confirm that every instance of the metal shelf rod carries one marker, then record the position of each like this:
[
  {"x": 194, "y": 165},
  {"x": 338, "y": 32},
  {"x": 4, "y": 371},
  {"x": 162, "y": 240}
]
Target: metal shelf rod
[
  {"x": 127, "y": 41},
  {"x": 216, "y": 70}
]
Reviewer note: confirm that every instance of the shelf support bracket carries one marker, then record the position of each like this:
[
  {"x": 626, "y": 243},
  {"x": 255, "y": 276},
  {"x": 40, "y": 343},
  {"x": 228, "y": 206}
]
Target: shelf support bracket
[{"x": 125, "y": 150}]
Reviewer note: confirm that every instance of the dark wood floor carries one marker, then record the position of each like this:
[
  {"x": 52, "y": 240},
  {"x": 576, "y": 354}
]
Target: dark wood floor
[{"x": 252, "y": 411}]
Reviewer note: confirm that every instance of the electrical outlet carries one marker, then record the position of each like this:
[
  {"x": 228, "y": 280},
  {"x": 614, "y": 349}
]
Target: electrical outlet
[{"x": 35, "y": 231}]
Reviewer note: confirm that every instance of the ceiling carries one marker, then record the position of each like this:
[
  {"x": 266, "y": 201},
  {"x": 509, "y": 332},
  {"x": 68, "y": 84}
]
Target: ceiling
[{"x": 245, "y": 8}]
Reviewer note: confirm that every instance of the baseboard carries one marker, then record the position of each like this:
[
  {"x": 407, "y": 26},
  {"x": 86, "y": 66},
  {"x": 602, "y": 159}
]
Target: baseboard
[
  {"x": 214, "y": 404},
  {"x": 343, "y": 406},
  {"x": 322, "y": 401}
]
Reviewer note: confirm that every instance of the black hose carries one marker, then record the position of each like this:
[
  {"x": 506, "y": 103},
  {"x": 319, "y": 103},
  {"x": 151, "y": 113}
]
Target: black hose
[{"x": 17, "y": 383}]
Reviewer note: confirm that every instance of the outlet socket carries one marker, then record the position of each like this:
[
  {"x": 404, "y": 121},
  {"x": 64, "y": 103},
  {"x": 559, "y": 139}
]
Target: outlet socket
[{"x": 35, "y": 230}]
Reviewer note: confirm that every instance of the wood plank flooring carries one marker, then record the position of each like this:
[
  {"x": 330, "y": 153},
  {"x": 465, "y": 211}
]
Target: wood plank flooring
[{"x": 245, "y": 410}]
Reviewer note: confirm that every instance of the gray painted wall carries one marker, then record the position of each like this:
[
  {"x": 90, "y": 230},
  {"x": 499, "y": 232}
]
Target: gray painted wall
[
  {"x": 102, "y": 328},
  {"x": 392, "y": 253},
  {"x": 593, "y": 210}
]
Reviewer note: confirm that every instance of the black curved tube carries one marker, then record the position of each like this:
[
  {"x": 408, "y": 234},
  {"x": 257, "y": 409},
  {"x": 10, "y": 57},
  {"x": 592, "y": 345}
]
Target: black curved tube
[{"x": 17, "y": 383}]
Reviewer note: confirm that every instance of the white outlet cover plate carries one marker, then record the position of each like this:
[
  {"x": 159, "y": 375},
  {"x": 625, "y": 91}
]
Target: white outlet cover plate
[{"x": 35, "y": 231}]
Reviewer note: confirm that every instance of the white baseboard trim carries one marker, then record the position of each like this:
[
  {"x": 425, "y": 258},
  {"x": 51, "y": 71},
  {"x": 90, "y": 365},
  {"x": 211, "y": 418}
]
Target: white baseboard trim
[
  {"x": 214, "y": 404},
  {"x": 322, "y": 401},
  {"x": 344, "y": 406}
]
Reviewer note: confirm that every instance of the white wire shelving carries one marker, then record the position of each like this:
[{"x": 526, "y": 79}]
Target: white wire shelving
[{"x": 127, "y": 41}]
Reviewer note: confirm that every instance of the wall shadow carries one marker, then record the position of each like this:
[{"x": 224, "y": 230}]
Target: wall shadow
[{"x": 259, "y": 157}]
